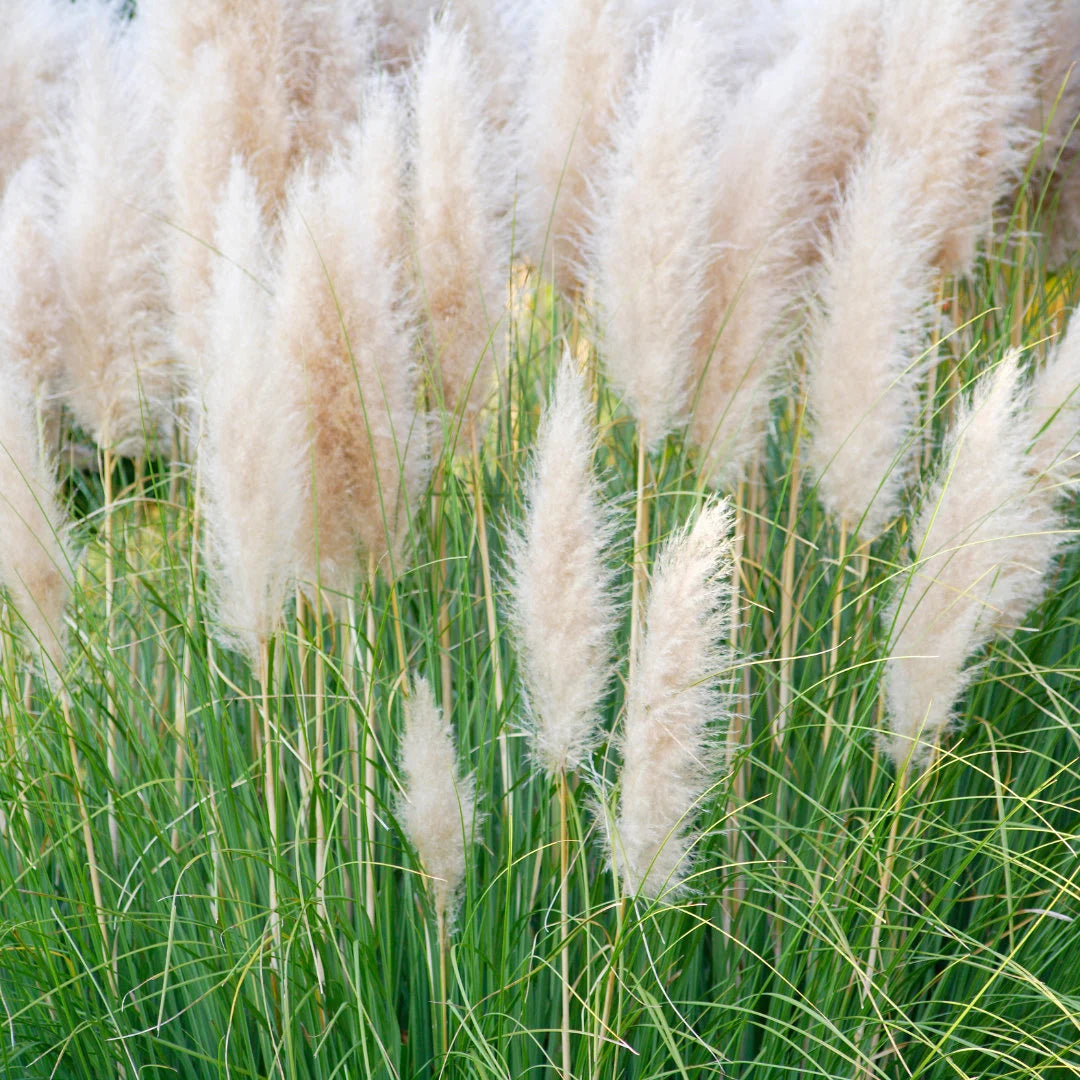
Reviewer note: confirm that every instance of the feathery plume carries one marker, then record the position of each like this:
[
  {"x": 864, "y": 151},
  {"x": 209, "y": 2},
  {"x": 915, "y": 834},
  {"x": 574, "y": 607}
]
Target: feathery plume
[
  {"x": 582, "y": 54},
  {"x": 650, "y": 237},
  {"x": 1055, "y": 414},
  {"x": 865, "y": 340},
  {"x": 226, "y": 64},
  {"x": 462, "y": 251},
  {"x": 30, "y": 308},
  {"x": 252, "y": 457},
  {"x": 339, "y": 320},
  {"x": 328, "y": 47},
  {"x": 670, "y": 746},
  {"x": 955, "y": 86},
  {"x": 982, "y": 542},
  {"x": 38, "y": 41},
  {"x": 563, "y": 613},
  {"x": 117, "y": 372},
  {"x": 439, "y": 808},
  {"x": 755, "y": 246},
  {"x": 35, "y": 562}
]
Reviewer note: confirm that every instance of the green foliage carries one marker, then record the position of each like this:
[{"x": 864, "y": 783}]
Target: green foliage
[{"x": 838, "y": 922}]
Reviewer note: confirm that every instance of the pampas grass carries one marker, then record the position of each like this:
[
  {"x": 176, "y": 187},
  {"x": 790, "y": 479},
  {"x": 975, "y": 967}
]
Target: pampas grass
[
  {"x": 651, "y": 235},
  {"x": 462, "y": 250},
  {"x": 982, "y": 543},
  {"x": 35, "y": 558},
  {"x": 963, "y": 71},
  {"x": 866, "y": 344},
  {"x": 30, "y": 308},
  {"x": 581, "y": 56},
  {"x": 252, "y": 458},
  {"x": 676, "y": 703},
  {"x": 563, "y": 612},
  {"x": 117, "y": 373},
  {"x": 337, "y": 319}
]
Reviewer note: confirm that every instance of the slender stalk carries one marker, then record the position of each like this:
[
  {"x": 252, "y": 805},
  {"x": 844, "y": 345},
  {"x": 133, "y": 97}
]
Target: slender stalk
[
  {"x": 737, "y": 729},
  {"x": 564, "y": 918},
  {"x": 318, "y": 767},
  {"x": 834, "y": 644},
  {"x": 444, "y": 946},
  {"x": 78, "y": 783},
  {"x": 369, "y": 749},
  {"x": 349, "y": 676},
  {"x": 111, "y": 738},
  {"x": 489, "y": 609},
  {"x": 270, "y": 781}
]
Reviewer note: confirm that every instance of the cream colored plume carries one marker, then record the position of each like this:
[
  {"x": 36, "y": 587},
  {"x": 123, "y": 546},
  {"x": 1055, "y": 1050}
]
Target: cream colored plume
[
  {"x": 865, "y": 349},
  {"x": 35, "y": 561},
  {"x": 329, "y": 48},
  {"x": 650, "y": 237},
  {"x": 1057, "y": 82},
  {"x": 38, "y": 42},
  {"x": 956, "y": 85},
  {"x": 439, "y": 807},
  {"x": 117, "y": 371},
  {"x": 462, "y": 246},
  {"x": 562, "y": 610},
  {"x": 30, "y": 307},
  {"x": 582, "y": 54},
  {"x": 339, "y": 320},
  {"x": 676, "y": 705},
  {"x": 252, "y": 457},
  {"x": 1055, "y": 414},
  {"x": 223, "y": 66},
  {"x": 762, "y": 211},
  {"x": 982, "y": 544}
]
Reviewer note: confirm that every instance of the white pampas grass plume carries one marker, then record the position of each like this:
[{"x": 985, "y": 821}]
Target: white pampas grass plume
[
  {"x": 225, "y": 64},
  {"x": 582, "y": 53},
  {"x": 563, "y": 612},
  {"x": 865, "y": 348},
  {"x": 118, "y": 376},
  {"x": 462, "y": 248},
  {"x": 983, "y": 542},
  {"x": 675, "y": 702},
  {"x": 761, "y": 213},
  {"x": 439, "y": 807},
  {"x": 38, "y": 40},
  {"x": 1055, "y": 414},
  {"x": 650, "y": 242},
  {"x": 328, "y": 47},
  {"x": 339, "y": 320},
  {"x": 30, "y": 308},
  {"x": 35, "y": 562},
  {"x": 955, "y": 86},
  {"x": 252, "y": 457}
]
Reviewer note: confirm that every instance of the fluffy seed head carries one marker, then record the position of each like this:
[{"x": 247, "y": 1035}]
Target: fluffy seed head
[
  {"x": 338, "y": 320},
  {"x": 35, "y": 562},
  {"x": 983, "y": 542},
  {"x": 650, "y": 238},
  {"x": 439, "y": 808},
  {"x": 675, "y": 702},
  {"x": 117, "y": 372},
  {"x": 252, "y": 457},
  {"x": 462, "y": 251},
  {"x": 866, "y": 344},
  {"x": 563, "y": 613}
]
